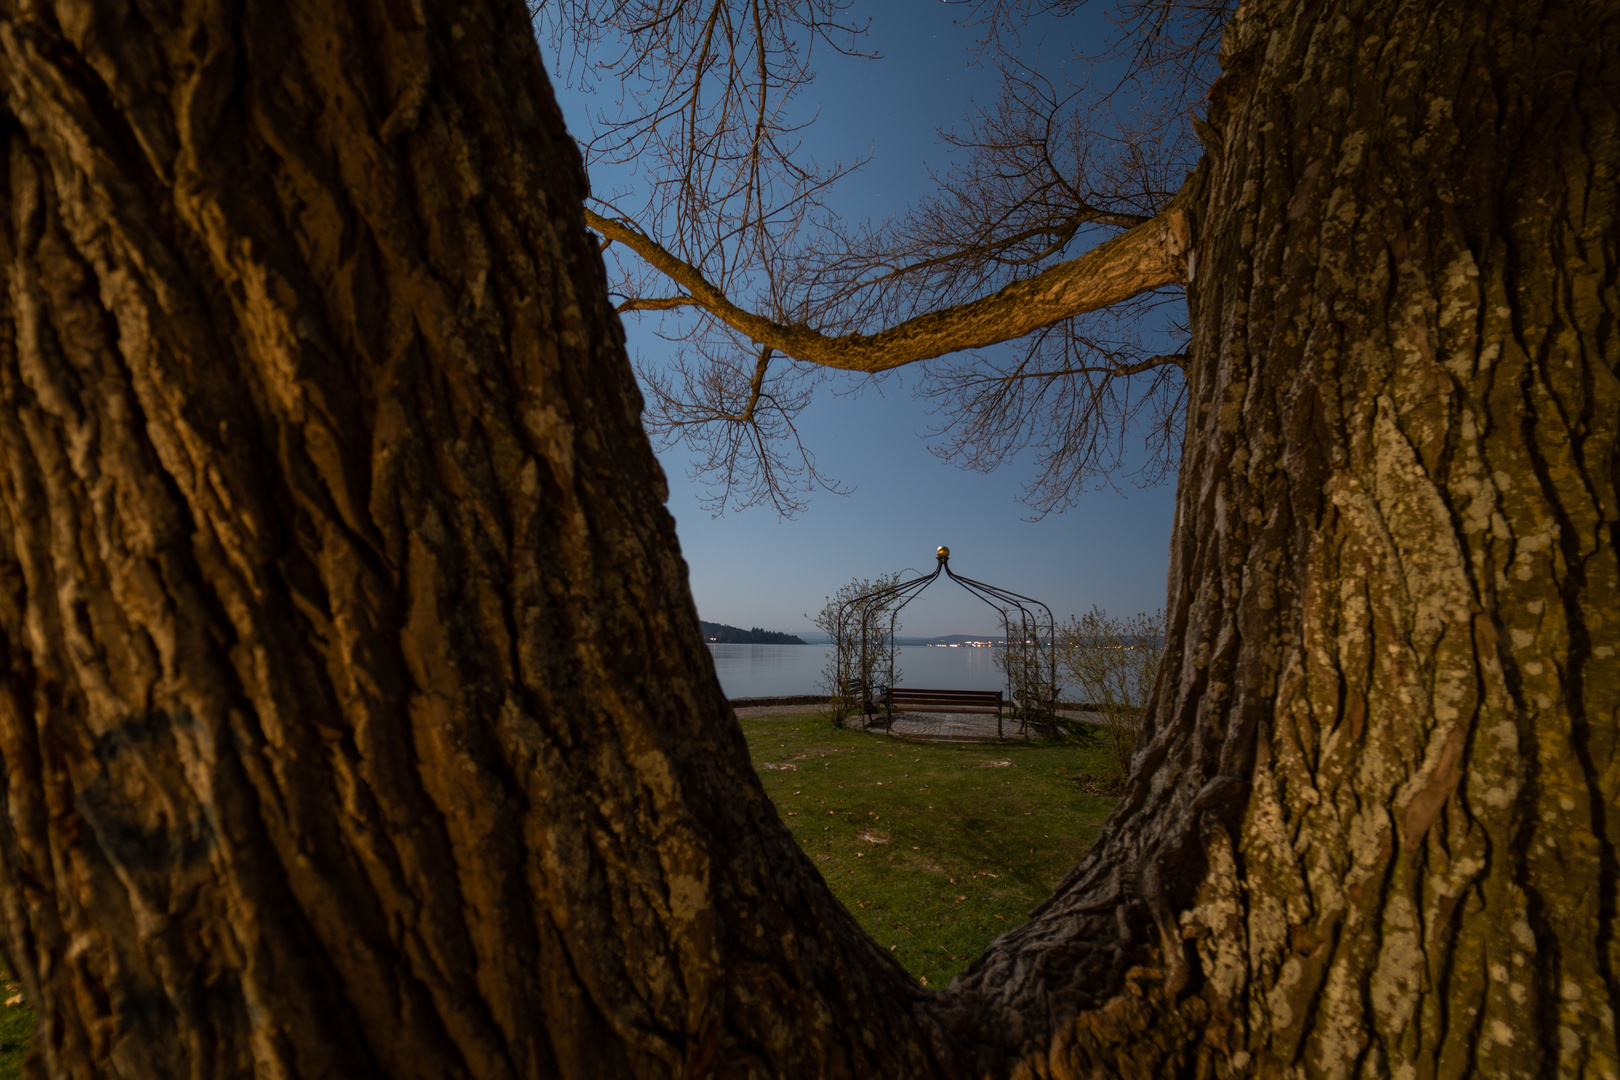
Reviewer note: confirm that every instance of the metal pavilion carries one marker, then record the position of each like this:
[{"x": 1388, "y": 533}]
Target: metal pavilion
[{"x": 1027, "y": 624}]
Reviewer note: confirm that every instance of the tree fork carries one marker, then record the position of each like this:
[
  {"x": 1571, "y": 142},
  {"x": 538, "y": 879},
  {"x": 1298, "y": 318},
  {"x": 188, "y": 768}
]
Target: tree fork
[{"x": 356, "y": 721}]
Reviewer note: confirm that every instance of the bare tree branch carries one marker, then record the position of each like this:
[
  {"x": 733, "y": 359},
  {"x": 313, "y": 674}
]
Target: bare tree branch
[
  {"x": 655, "y": 303},
  {"x": 1147, "y": 257},
  {"x": 1111, "y": 370},
  {"x": 1080, "y": 398},
  {"x": 724, "y": 208},
  {"x": 739, "y": 426},
  {"x": 747, "y": 414}
]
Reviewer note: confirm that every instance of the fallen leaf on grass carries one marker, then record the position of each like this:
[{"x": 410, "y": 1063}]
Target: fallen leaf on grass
[
  {"x": 780, "y": 765},
  {"x": 15, "y": 999},
  {"x": 984, "y": 873},
  {"x": 994, "y": 764},
  {"x": 871, "y": 837}
]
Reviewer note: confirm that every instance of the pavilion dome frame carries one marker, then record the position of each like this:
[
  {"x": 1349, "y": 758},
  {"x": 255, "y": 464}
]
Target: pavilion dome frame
[{"x": 1005, "y": 602}]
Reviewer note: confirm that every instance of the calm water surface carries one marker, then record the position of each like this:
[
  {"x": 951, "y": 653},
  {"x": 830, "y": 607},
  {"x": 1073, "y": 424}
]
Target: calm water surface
[{"x": 771, "y": 670}]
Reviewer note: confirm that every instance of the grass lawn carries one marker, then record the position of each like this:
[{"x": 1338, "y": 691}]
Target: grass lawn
[
  {"x": 16, "y": 1023},
  {"x": 937, "y": 848}
]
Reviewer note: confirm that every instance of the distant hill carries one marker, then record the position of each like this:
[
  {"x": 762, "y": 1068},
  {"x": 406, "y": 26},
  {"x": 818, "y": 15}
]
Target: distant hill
[{"x": 731, "y": 635}]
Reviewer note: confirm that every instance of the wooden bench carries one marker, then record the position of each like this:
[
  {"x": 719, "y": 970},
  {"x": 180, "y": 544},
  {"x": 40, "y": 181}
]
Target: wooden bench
[{"x": 910, "y": 698}]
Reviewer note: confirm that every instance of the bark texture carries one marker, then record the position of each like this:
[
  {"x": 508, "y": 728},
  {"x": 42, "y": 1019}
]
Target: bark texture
[
  {"x": 354, "y": 713},
  {"x": 1373, "y": 831}
]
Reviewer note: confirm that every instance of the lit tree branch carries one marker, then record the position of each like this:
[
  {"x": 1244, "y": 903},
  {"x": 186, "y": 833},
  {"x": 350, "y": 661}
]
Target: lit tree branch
[
  {"x": 1147, "y": 257},
  {"x": 654, "y": 303}
]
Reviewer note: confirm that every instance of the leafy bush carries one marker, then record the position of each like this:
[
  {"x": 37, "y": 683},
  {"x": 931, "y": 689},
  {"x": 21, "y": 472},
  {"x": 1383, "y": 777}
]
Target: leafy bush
[
  {"x": 860, "y": 660},
  {"x": 1111, "y": 663}
]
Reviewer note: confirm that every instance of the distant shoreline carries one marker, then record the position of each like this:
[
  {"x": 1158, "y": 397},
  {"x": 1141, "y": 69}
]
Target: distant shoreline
[{"x": 721, "y": 634}]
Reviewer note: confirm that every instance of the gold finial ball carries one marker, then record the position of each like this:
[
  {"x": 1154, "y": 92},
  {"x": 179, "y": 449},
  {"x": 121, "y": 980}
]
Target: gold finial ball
[{"x": 943, "y": 552}]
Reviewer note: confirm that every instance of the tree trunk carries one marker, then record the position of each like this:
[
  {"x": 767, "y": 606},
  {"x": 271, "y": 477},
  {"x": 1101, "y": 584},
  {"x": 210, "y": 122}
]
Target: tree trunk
[
  {"x": 354, "y": 713},
  {"x": 1373, "y": 828},
  {"x": 355, "y": 716}
]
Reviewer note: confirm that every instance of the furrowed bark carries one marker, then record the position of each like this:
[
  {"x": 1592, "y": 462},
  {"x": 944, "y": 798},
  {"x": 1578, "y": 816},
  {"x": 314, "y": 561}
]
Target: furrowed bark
[
  {"x": 354, "y": 713},
  {"x": 1373, "y": 830},
  {"x": 1149, "y": 256}
]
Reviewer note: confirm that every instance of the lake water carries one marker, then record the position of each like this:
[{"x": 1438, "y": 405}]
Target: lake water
[{"x": 778, "y": 670}]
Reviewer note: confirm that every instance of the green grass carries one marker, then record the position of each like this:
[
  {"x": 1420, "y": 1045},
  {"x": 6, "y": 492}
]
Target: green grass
[
  {"x": 971, "y": 845},
  {"x": 16, "y": 1024}
]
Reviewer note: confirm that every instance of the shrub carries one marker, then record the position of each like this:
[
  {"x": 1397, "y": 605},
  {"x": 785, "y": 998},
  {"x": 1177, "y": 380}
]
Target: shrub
[
  {"x": 851, "y": 622},
  {"x": 1111, "y": 663}
]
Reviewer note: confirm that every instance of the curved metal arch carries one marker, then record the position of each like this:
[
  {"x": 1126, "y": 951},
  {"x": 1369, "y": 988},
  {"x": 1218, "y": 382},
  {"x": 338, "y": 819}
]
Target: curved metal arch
[{"x": 892, "y": 598}]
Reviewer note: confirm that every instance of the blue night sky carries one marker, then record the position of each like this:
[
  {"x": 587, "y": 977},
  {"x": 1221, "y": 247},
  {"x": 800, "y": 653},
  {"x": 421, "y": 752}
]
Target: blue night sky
[{"x": 751, "y": 568}]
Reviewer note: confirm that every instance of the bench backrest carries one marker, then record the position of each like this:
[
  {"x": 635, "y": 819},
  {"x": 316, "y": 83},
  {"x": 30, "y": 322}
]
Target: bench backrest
[{"x": 917, "y": 695}]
